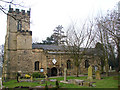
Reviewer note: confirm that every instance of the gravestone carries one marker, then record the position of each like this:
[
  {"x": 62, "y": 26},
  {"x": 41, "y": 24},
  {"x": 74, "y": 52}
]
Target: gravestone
[
  {"x": 86, "y": 84},
  {"x": 70, "y": 81},
  {"x": 78, "y": 82},
  {"x": 97, "y": 75},
  {"x": 31, "y": 78},
  {"x": 110, "y": 69},
  {"x": 46, "y": 77},
  {"x": 104, "y": 69},
  {"x": 42, "y": 81},
  {"x": 96, "y": 68},
  {"x": 65, "y": 73},
  {"x": 90, "y": 73}
]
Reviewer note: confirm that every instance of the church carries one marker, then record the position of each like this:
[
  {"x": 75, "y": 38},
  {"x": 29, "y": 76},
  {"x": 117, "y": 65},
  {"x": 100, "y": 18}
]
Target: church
[{"x": 20, "y": 55}]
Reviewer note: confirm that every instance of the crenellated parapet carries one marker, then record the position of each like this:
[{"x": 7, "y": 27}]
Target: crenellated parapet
[
  {"x": 24, "y": 32},
  {"x": 18, "y": 12}
]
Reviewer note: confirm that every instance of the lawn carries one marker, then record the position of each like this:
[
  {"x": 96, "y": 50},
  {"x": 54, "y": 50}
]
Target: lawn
[{"x": 105, "y": 82}]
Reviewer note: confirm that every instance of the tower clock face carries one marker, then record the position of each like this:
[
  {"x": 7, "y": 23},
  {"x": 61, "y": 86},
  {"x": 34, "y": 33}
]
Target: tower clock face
[{"x": 54, "y": 61}]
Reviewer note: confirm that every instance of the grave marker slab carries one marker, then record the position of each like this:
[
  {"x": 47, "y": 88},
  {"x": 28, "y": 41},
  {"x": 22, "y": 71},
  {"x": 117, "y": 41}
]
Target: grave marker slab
[{"x": 97, "y": 75}]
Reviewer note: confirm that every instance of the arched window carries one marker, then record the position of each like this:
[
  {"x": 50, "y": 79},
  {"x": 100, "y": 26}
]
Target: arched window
[
  {"x": 19, "y": 25},
  {"x": 68, "y": 64},
  {"x": 37, "y": 65},
  {"x": 86, "y": 63}
]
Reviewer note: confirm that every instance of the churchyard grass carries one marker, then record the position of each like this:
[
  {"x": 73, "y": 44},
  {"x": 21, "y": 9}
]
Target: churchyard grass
[
  {"x": 105, "y": 82},
  {"x": 14, "y": 83}
]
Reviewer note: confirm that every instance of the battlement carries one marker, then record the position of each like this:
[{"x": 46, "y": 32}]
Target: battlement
[
  {"x": 25, "y": 32},
  {"x": 17, "y": 11}
]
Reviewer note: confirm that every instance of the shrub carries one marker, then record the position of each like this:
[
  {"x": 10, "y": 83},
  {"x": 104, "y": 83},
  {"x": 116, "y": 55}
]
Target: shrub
[
  {"x": 38, "y": 75},
  {"x": 42, "y": 76}
]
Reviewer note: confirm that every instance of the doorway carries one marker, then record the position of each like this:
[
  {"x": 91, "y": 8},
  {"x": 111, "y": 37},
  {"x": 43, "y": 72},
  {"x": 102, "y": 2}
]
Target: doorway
[{"x": 53, "y": 71}]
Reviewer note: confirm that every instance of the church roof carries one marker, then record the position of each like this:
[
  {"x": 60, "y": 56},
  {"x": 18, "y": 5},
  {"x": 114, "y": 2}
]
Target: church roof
[
  {"x": 48, "y": 47},
  {"x": 61, "y": 48}
]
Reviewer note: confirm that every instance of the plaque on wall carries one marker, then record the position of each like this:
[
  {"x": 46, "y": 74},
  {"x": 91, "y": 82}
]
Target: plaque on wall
[{"x": 54, "y": 61}]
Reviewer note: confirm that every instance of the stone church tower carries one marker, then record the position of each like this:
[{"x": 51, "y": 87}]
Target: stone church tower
[{"x": 18, "y": 43}]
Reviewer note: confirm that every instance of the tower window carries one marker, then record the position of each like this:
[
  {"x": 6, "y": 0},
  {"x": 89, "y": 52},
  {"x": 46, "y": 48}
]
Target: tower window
[
  {"x": 68, "y": 64},
  {"x": 19, "y": 25},
  {"x": 37, "y": 65}
]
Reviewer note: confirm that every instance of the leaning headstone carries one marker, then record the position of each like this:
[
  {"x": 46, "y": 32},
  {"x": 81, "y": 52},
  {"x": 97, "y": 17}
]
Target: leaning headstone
[
  {"x": 90, "y": 73},
  {"x": 97, "y": 75},
  {"x": 65, "y": 74}
]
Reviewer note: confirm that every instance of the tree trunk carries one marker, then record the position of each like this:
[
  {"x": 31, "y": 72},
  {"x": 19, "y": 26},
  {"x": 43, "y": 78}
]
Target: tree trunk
[
  {"x": 118, "y": 46},
  {"x": 102, "y": 69},
  {"x": 77, "y": 72},
  {"x": 107, "y": 68},
  {"x": 117, "y": 69}
]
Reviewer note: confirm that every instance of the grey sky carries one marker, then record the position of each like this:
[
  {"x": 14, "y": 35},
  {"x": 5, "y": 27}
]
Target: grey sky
[{"x": 47, "y": 14}]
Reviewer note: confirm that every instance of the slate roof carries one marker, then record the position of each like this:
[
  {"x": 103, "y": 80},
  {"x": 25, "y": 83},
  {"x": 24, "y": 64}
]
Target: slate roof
[
  {"x": 47, "y": 47},
  {"x": 60, "y": 48}
]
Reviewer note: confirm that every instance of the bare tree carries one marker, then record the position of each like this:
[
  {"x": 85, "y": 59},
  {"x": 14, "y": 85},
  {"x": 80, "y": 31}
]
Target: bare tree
[
  {"x": 78, "y": 38},
  {"x": 5, "y": 7},
  {"x": 104, "y": 40},
  {"x": 109, "y": 36},
  {"x": 5, "y": 3}
]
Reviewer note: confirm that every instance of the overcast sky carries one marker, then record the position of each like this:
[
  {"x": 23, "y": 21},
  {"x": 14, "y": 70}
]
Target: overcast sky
[{"x": 48, "y": 14}]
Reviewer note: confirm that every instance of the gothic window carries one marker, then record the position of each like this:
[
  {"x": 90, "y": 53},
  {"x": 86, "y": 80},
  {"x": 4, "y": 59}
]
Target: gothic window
[
  {"x": 37, "y": 65},
  {"x": 86, "y": 63},
  {"x": 19, "y": 25},
  {"x": 68, "y": 64}
]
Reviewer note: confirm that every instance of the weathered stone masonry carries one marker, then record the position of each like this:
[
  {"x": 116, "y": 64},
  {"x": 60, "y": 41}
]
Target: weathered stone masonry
[{"x": 21, "y": 55}]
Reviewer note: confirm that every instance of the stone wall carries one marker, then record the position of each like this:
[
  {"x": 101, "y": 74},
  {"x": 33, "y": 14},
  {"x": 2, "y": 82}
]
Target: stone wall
[
  {"x": 18, "y": 15},
  {"x": 24, "y": 40},
  {"x": 45, "y": 61},
  {"x": 24, "y": 58},
  {"x": 38, "y": 55}
]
